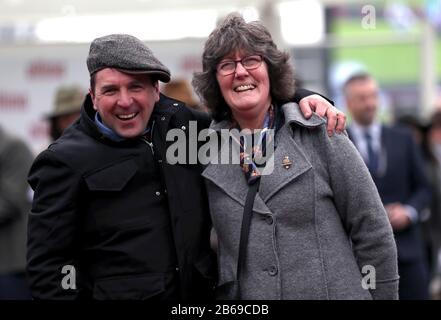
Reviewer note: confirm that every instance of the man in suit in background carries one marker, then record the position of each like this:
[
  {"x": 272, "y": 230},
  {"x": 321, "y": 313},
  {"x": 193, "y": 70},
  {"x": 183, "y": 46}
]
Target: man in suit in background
[{"x": 397, "y": 170}]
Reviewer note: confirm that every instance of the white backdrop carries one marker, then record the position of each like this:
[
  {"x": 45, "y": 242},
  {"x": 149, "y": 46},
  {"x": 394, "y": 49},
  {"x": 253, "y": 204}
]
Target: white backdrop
[{"x": 30, "y": 75}]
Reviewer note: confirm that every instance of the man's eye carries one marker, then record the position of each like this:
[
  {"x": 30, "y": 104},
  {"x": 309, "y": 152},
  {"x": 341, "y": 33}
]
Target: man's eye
[
  {"x": 136, "y": 88},
  {"x": 109, "y": 92}
]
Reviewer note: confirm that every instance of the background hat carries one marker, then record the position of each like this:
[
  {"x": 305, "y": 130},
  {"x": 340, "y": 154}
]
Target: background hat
[
  {"x": 68, "y": 99},
  {"x": 180, "y": 89},
  {"x": 125, "y": 52}
]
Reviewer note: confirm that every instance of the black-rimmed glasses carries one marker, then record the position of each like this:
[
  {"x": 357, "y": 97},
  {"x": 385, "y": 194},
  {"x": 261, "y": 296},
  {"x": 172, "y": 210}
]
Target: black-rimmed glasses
[{"x": 227, "y": 67}]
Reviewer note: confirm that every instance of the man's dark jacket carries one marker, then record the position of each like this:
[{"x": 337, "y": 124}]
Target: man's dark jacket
[
  {"x": 131, "y": 225},
  {"x": 402, "y": 180}
]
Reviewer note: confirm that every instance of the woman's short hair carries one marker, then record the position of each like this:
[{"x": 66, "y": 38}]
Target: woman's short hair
[{"x": 235, "y": 34}]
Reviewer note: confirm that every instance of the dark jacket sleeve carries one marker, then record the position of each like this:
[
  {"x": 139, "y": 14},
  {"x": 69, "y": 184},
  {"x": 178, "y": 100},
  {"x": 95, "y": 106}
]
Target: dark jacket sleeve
[
  {"x": 203, "y": 119},
  {"x": 421, "y": 195},
  {"x": 52, "y": 229},
  {"x": 303, "y": 93}
]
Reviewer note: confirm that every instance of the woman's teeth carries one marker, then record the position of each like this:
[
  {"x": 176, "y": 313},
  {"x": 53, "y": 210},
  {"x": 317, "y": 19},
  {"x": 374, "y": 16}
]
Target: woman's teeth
[{"x": 244, "y": 88}]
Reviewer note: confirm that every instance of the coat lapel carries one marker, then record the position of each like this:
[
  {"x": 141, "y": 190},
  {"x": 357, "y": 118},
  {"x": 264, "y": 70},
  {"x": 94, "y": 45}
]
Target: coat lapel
[
  {"x": 281, "y": 174},
  {"x": 231, "y": 179},
  {"x": 287, "y": 148}
]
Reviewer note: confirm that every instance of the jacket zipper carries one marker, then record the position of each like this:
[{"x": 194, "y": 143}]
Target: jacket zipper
[{"x": 151, "y": 136}]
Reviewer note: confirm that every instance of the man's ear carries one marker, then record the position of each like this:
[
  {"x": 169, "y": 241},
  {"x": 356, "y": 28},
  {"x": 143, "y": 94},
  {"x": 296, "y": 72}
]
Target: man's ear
[
  {"x": 156, "y": 86},
  {"x": 92, "y": 95}
]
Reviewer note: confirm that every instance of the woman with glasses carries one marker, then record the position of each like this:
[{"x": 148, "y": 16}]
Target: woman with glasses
[{"x": 317, "y": 227}]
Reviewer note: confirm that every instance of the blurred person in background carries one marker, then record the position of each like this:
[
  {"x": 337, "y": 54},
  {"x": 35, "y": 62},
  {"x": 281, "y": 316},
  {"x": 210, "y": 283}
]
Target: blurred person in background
[
  {"x": 434, "y": 223},
  {"x": 181, "y": 90},
  {"x": 316, "y": 219},
  {"x": 427, "y": 136},
  {"x": 15, "y": 161},
  {"x": 396, "y": 165},
  {"x": 67, "y": 107},
  {"x": 108, "y": 206}
]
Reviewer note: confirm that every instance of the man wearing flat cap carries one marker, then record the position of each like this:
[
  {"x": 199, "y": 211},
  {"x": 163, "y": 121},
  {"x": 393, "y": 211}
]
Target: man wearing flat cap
[
  {"x": 111, "y": 219},
  {"x": 67, "y": 107}
]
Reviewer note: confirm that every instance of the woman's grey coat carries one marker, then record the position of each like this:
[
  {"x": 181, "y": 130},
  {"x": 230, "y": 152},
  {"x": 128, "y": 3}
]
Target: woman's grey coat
[{"x": 316, "y": 225}]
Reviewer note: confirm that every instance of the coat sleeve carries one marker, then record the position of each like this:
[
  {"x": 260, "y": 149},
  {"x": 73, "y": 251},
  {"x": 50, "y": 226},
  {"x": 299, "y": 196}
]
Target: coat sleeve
[
  {"x": 53, "y": 229},
  {"x": 421, "y": 195},
  {"x": 363, "y": 215},
  {"x": 15, "y": 160},
  {"x": 203, "y": 119},
  {"x": 303, "y": 93}
]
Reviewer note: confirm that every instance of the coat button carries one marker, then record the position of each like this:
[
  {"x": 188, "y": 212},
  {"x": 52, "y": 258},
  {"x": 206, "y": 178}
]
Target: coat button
[
  {"x": 158, "y": 193},
  {"x": 176, "y": 104},
  {"x": 184, "y": 128},
  {"x": 269, "y": 220},
  {"x": 272, "y": 271},
  {"x": 162, "y": 118}
]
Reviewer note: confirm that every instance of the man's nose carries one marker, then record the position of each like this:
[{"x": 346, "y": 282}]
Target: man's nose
[{"x": 124, "y": 99}]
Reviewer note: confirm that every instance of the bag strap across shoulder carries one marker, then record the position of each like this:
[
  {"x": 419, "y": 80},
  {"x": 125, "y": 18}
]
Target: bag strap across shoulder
[{"x": 246, "y": 222}]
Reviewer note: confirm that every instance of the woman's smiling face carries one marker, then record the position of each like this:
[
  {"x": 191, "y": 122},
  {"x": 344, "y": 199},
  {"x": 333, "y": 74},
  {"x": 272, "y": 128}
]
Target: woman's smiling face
[{"x": 247, "y": 92}]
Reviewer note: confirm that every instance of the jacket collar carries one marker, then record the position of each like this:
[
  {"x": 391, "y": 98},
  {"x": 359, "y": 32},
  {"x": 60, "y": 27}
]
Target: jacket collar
[{"x": 292, "y": 114}]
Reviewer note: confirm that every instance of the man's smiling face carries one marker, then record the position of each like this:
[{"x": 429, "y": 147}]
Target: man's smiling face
[{"x": 124, "y": 101}]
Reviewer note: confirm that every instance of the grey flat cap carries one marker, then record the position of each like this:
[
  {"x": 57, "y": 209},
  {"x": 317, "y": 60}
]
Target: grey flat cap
[{"x": 127, "y": 53}]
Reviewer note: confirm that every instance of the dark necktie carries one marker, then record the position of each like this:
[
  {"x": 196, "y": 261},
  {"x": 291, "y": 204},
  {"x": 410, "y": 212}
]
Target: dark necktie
[{"x": 372, "y": 155}]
